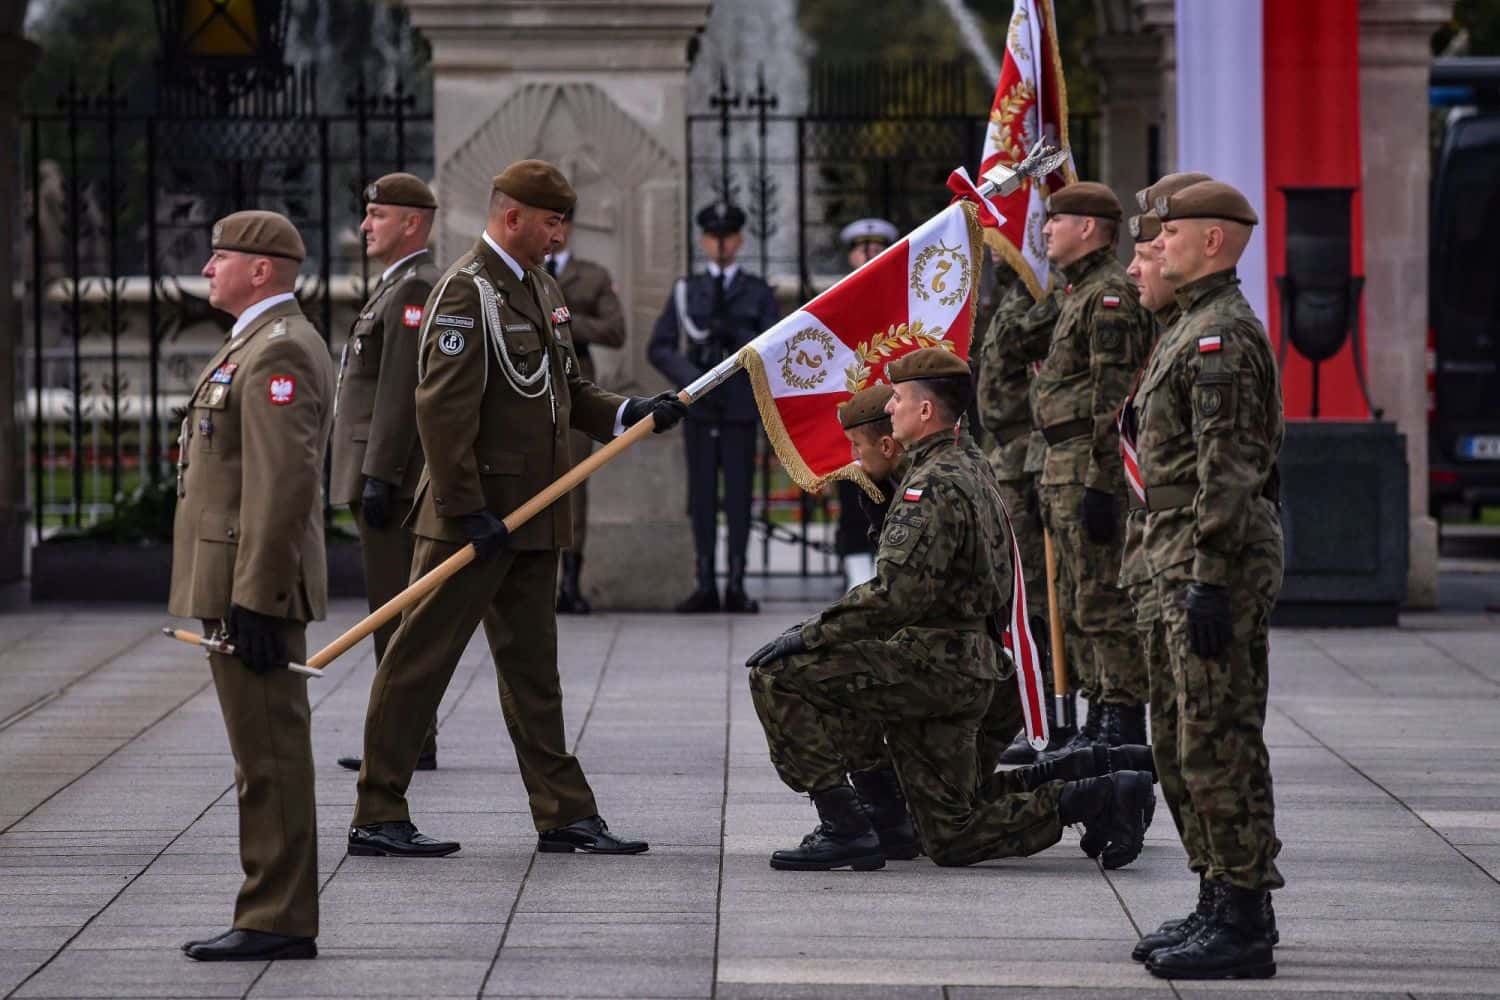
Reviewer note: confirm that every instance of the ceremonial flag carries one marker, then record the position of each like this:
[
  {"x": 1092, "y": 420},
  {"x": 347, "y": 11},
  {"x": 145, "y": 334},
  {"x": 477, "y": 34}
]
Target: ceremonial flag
[
  {"x": 920, "y": 292},
  {"x": 1031, "y": 104}
]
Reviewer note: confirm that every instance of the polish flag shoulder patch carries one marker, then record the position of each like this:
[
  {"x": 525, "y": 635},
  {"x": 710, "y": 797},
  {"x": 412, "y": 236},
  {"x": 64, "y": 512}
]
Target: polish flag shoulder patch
[
  {"x": 1207, "y": 345},
  {"x": 411, "y": 316},
  {"x": 912, "y": 494},
  {"x": 282, "y": 389},
  {"x": 1110, "y": 301}
]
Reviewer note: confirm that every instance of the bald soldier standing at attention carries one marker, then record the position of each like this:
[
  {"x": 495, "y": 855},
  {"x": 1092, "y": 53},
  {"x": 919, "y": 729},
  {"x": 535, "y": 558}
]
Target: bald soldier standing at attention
[
  {"x": 1209, "y": 427},
  {"x": 498, "y": 390},
  {"x": 248, "y": 556},
  {"x": 377, "y": 456}
]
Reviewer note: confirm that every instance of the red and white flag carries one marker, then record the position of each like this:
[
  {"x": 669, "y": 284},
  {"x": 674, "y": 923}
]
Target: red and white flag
[
  {"x": 920, "y": 292},
  {"x": 1031, "y": 103}
]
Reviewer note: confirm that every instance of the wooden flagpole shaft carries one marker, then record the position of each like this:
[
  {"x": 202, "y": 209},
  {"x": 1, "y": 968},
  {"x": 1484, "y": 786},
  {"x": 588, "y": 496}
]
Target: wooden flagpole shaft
[
  {"x": 1064, "y": 701},
  {"x": 226, "y": 648}
]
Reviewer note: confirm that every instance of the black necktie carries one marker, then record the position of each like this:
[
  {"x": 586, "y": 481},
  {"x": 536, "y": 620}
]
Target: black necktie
[{"x": 552, "y": 266}]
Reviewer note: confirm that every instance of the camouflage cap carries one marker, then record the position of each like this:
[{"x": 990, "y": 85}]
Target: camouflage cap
[
  {"x": 864, "y": 407},
  {"x": 1144, "y": 227},
  {"x": 1170, "y": 184},
  {"x": 929, "y": 362},
  {"x": 539, "y": 184},
  {"x": 406, "y": 190},
  {"x": 265, "y": 234},
  {"x": 1207, "y": 200},
  {"x": 1086, "y": 198}
]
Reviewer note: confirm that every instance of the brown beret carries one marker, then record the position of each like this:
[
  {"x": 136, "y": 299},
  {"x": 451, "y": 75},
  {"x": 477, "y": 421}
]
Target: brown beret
[
  {"x": 539, "y": 184},
  {"x": 1207, "y": 200},
  {"x": 265, "y": 234},
  {"x": 1170, "y": 184},
  {"x": 1086, "y": 198},
  {"x": 864, "y": 407},
  {"x": 405, "y": 190},
  {"x": 1144, "y": 227},
  {"x": 929, "y": 362}
]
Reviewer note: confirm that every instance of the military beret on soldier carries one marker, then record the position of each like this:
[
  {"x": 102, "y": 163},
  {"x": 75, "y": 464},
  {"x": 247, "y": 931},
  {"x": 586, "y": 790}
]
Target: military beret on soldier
[
  {"x": 539, "y": 184},
  {"x": 868, "y": 231},
  {"x": 1086, "y": 198},
  {"x": 1144, "y": 227},
  {"x": 1207, "y": 200},
  {"x": 721, "y": 219},
  {"x": 405, "y": 190},
  {"x": 864, "y": 407},
  {"x": 265, "y": 234},
  {"x": 1170, "y": 184},
  {"x": 929, "y": 362}
]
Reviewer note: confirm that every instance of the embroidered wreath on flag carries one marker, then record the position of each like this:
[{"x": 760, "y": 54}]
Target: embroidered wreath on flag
[
  {"x": 948, "y": 262},
  {"x": 879, "y": 349},
  {"x": 813, "y": 363},
  {"x": 1015, "y": 103}
]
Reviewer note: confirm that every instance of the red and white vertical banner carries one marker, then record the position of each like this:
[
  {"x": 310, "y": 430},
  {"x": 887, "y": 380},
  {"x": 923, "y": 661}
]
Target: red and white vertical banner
[
  {"x": 1031, "y": 103},
  {"x": 1268, "y": 98}
]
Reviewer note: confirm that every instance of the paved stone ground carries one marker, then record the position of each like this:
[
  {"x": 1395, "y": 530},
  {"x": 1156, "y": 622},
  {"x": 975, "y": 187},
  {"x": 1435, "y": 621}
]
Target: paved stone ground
[{"x": 117, "y": 836}]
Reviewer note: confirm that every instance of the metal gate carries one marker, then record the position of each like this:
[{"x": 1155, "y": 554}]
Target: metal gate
[
  {"x": 120, "y": 202},
  {"x": 875, "y": 139}
]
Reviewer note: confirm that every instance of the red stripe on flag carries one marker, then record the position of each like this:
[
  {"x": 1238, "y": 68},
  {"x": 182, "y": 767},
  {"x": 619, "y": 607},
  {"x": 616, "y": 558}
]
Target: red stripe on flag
[
  {"x": 809, "y": 421},
  {"x": 1021, "y": 645},
  {"x": 881, "y": 291}
]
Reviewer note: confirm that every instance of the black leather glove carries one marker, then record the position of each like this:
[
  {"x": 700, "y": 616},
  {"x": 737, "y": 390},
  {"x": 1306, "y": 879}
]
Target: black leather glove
[
  {"x": 257, "y": 639},
  {"x": 375, "y": 502},
  {"x": 488, "y": 533},
  {"x": 785, "y": 644},
  {"x": 1210, "y": 627},
  {"x": 664, "y": 406},
  {"x": 1098, "y": 512}
]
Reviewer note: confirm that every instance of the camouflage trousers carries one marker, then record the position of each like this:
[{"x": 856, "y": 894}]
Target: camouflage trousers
[
  {"x": 1098, "y": 613},
  {"x": 1221, "y": 760},
  {"x": 931, "y": 722},
  {"x": 1163, "y": 703}
]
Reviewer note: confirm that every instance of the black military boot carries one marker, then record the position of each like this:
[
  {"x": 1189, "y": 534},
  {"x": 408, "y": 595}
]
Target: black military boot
[
  {"x": 570, "y": 599},
  {"x": 1086, "y": 734},
  {"x": 1087, "y": 762},
  {"x": 1112, "y": 810},
  {"x": 1233, "y": 943},
  {"x": 1020, "y": 750},
  {"x": 844, "y": 837},
  {"x": 705, "y": 598},
  {"x": 1176, "y": 932},
  {"x": 736, "y": 601},
  {"x": 1122, "y": 724},
  {"x": 880, "y": 793}
]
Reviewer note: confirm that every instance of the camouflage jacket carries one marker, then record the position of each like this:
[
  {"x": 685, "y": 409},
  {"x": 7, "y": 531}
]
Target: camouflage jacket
[
  {"x": 1004, "y": 381},
  {"x": 942, "y": 568},
  {"x": 1134, "y": 568},
  {"x": 1209, "y": 428},
  {"x": 1099, "y": 342}
]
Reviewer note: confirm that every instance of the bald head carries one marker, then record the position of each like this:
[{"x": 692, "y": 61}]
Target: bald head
[{"x": 1189, "y": 249}]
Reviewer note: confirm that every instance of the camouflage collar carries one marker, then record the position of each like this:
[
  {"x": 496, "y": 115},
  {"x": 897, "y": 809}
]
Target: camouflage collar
[
  {"x": 1087, "y": 264},
  {"x": 919, "y": 452},
  {"x": 1168, "y": 315},
  {"x": 1206, "y": 287}
]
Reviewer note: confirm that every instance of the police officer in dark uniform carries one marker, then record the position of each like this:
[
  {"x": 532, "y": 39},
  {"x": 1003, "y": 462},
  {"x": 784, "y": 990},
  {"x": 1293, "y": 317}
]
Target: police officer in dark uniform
[{"x": 709, "y": 317}]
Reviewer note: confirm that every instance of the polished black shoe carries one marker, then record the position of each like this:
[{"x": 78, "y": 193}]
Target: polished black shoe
[
  {"x": 884, "y": 803},
  {"x": 1112, "y": 810},
  {"x": 1176, "y": 932},
  {"x": 398, "y": 839},
  {"x": 737, "y": 602},
  {"x": 1020, "y": 750},
  {"x": 591, "y": 836},
  {"x": 1233, "y": 943},
  {"x": 251, "y": 946},
  {"x": 425, "y": 762},
  {"x": 844, "y": 838},
  {"x": 570, "y": 599},
  {"x": 193, "y": 944},
  {"x": 704, "y": 600}
]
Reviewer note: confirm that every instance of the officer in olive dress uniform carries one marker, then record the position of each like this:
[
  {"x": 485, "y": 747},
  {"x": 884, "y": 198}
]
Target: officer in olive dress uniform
[
  {"x": 914, "y": 651},
  {"x": 498, "y": 390},
  {"x": 1209, "y": 426},
  {"x": 597, "y": 320},
  {"x": 377, "y": 457},
  {"x": 248, "y": 559},
  {"x": 708, "y": 317}
]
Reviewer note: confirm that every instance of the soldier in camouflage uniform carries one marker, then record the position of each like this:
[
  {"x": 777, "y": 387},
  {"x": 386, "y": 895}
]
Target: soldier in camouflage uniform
[
  {"x": 1098, "y": 344},
  {"x": 913, "y": 650},
  {"x": 1209, "y": 422}
]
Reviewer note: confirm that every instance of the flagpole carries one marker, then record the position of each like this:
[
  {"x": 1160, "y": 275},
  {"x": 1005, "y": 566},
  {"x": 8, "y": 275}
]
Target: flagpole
[{"x": 1063, "y": 698}]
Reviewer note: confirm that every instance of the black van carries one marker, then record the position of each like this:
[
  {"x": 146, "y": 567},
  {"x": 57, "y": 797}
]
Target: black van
[{"x": 1464, "y": 307}]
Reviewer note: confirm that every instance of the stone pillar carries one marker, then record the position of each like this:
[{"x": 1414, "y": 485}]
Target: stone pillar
[
  {"x": 1130, "y": 94},
  {"x": 20, "y": 55},
  {"x": 1159, "y": 17},
  {"x": 1395, "y": 55},
  {"x": 599, "y": 89}
]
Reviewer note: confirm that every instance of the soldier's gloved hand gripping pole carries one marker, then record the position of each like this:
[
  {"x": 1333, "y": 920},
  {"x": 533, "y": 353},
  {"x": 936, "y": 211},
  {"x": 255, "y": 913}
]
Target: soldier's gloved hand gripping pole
[{"x": 665, "y": 410}]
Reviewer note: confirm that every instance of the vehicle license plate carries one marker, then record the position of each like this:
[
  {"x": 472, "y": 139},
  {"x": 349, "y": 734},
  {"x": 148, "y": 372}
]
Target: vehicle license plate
[{"x": 1485, "y": 447}]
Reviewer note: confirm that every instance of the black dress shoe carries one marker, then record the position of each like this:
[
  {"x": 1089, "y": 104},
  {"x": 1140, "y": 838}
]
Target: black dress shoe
[
  {"x": 590, "y": 835},
  {"x": 252, "y": 946},
  {"x": 425, "y": 762},
  {"x": 398, "y": 839},
  {"x": 193, "y": 944}
]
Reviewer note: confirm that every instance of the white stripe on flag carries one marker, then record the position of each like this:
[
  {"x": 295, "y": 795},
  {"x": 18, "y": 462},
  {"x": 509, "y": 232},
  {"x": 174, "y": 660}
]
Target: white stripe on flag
[
  {"x": 940, "y": 282},
  {"x": 799, "y": 345}
]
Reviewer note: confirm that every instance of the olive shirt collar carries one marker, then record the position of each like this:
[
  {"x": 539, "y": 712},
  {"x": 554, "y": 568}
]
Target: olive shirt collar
[
  {"x": 1195, "y": 292},
  {"x": 1087, "y": 264}
]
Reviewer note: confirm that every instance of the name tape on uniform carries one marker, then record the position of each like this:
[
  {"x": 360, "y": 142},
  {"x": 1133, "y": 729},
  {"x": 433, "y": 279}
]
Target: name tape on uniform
[{"x": 443, "y": 319}]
